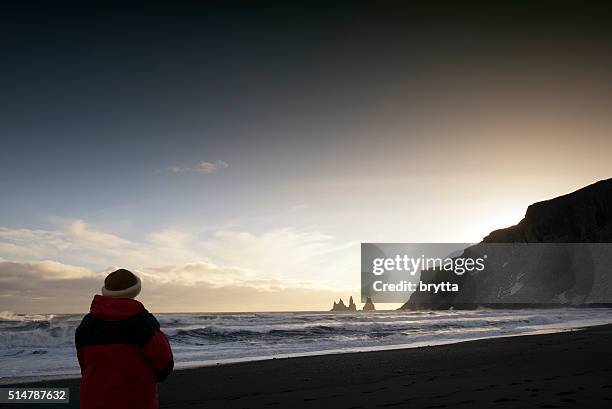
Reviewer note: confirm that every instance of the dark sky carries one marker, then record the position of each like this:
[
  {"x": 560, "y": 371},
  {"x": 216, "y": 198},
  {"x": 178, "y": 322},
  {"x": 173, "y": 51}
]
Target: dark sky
[{"x": 95, "y": 99}]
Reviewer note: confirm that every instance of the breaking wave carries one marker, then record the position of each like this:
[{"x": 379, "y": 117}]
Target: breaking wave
[{"x": 34, "y": 345}]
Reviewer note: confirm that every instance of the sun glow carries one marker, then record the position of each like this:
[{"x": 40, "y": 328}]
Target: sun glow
[{"x": 500, "y": 217}]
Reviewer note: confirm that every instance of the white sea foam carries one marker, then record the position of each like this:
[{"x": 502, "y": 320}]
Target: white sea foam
[{"x": 43, "y": 345}]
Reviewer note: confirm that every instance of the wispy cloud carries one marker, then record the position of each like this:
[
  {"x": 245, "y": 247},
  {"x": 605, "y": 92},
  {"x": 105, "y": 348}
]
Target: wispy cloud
[
  {"x": 203, "y": 167},
  {"x": 73, "y": 240},
  {"x": 299, "y": 207},
  {"x": 284, "y": 252},
  {"x": 25, "y": 271},
  {"x": 49, "y": 286},
  {"x": 295, "y": 268}
]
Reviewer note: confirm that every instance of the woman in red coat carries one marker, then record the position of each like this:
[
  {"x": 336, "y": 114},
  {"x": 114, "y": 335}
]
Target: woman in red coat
[{"x": 121, "y": 350}]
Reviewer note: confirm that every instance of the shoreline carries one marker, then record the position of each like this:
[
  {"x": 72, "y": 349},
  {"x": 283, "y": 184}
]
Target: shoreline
[
  {"x": 27, "y": 379},
  {"x": 559, "y": 369}
]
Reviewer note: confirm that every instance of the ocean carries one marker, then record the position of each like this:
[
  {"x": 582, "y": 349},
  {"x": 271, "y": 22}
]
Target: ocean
[{"x": 43, "y": 345}]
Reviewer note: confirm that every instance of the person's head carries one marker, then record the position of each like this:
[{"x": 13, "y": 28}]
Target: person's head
[{"x": 121, "y": 283}]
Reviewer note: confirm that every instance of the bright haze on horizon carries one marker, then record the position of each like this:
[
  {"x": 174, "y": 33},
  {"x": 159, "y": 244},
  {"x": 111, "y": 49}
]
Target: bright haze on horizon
[{"x": 236, "y": 156}]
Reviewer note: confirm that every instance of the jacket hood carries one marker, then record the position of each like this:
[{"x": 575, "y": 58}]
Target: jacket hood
[{"x": 114, "y": 309}]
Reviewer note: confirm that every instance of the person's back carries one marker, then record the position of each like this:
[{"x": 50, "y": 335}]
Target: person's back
[{"x": 121, "y": 349}]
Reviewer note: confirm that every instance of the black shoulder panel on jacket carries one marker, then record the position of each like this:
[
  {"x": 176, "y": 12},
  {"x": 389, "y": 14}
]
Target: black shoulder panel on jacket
[{"x": 136, "y": 330}]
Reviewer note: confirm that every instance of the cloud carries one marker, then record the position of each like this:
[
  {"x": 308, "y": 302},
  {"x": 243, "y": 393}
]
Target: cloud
[
  {"x": 201, "y": 272},
  {"x": 202, "y": 167},
  {"x": 71, "y": 260},
  {"x": 78, "y": 242},
  {"x": 49, "y": 286},
  {"x": 44, "y": 286},
  {"x": 285, "y": 252},
  {"x": 215, "y": 276},
  {"x": 299, "y": 207},
  {"x": 15, "y": 271}
]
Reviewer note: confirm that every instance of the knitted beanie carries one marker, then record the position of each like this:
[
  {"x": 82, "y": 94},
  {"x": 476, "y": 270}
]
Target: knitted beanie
[{"x": 121, "y": 284}]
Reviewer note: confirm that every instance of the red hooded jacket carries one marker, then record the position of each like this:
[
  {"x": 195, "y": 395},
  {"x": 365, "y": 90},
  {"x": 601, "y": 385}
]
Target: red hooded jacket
[{"x": 122, "y": 354}]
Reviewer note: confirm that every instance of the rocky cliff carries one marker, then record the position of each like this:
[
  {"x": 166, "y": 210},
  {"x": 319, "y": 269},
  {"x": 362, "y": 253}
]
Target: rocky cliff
[
  {"x": 528, "y": 275},
  {"x": 584, "y": 216}
]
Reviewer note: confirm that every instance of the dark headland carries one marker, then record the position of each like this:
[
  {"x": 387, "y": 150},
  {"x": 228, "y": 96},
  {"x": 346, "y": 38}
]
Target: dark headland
[{"x": 572, "y": 268}]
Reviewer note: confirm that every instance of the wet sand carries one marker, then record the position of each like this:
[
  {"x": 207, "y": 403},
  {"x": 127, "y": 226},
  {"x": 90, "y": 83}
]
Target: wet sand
[{"x": 569, "y": 369}]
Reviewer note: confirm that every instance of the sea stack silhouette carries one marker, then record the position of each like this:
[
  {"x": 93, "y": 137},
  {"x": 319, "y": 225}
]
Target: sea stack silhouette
[
  {"x": 369, "y": 305},
  {"x": 340, "y": 306},
  {"x": 579, "y": 274}
]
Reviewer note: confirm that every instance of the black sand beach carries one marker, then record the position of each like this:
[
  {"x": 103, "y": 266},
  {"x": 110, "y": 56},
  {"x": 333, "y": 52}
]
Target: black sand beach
[{"x": 570, "y": 369}]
